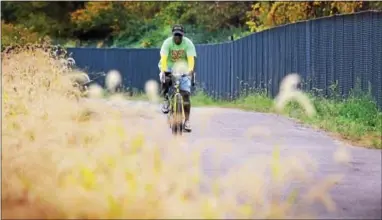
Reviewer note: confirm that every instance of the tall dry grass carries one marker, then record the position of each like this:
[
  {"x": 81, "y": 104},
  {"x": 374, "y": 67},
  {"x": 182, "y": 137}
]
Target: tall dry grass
[{"x": 67, "y": 157}]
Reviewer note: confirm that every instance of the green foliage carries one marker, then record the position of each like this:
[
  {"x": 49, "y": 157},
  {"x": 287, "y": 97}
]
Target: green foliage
[
  {"x": 146, "y": 24},
  {"x": 264, "y": 15},
  {"x": 360, "y": 110},
  {"x": 128, "y": 24},
  {"x": 48, "y": 18},
  {"x": 148, "y": 35},
  {"x": 12, "y": 35}
]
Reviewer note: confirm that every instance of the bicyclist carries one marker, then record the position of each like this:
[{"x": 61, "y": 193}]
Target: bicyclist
[{"x": 174, "y": 49}]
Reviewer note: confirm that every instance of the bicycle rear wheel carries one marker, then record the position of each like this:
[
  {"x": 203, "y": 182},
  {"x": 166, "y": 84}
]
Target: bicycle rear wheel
[{"x": 177, "y": 115}]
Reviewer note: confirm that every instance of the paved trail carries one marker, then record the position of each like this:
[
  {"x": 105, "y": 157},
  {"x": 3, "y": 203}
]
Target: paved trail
[{"x": 357, "y": 196}]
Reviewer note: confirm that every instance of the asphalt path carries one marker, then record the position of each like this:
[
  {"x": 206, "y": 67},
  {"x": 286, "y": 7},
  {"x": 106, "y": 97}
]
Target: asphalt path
[{"x": 357, "y": 195}]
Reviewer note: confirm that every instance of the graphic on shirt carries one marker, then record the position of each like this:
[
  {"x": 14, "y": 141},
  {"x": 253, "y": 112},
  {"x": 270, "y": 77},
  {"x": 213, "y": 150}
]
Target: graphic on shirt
[{"x": 177, "y": 55}]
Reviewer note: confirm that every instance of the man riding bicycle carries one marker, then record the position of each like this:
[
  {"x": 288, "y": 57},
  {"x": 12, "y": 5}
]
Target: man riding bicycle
[{"x": 174, "y": 49}]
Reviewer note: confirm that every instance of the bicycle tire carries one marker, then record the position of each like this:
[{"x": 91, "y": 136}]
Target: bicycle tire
[{"x": 177, "y": 115}]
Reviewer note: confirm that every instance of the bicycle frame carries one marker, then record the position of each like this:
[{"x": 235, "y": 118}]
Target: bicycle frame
[
  {"x": 176, "y": 114},
  {"x": 174, "y": 96}
]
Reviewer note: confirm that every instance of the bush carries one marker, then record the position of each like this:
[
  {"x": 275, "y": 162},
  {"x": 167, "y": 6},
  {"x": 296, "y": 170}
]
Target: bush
[{"x": 16, "y": 35}]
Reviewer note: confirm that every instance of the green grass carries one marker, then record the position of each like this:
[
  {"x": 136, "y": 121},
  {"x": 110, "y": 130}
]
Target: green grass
[{"x": 355, "y": 119}]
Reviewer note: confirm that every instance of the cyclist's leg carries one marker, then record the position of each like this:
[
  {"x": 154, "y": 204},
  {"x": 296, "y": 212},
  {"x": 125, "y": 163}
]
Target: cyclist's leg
[
  {"x": 186, "y": 104},
  {"x": 185, "y": 89},
  {"x": 165, "y": 86},
  {"x": 164, "y": 92}
]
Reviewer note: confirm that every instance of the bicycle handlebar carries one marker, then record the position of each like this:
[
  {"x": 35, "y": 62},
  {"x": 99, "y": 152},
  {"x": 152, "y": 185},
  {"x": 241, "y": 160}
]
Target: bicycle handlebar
[
  {"x": 171, "y": 74},
  {"x": 192, "y": 76}
]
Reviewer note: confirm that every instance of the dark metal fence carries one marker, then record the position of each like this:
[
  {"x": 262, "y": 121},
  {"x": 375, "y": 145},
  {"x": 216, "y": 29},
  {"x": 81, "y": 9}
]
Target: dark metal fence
[{"x": 340, "y": 49}]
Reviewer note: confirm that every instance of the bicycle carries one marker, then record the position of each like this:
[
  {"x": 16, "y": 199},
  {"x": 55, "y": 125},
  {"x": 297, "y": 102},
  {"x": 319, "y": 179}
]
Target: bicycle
[
  {"x": 84, "y": 86},
  {"x": 176, "y": 115}
]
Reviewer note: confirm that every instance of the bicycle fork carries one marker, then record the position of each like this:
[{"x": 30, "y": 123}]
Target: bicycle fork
[{"x": 173, "y": 108}]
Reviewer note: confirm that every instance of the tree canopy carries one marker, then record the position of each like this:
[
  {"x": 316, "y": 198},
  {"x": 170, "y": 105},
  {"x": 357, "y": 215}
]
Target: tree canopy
[{"x": 146, "y": 24}]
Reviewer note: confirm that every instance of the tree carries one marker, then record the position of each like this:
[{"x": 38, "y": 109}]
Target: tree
[
  {"x": 113, "y": 18},
  {"x": 48, "y": 18},
  {"x": 16, "y": 35},
  {"x": 269, "y": 14}
]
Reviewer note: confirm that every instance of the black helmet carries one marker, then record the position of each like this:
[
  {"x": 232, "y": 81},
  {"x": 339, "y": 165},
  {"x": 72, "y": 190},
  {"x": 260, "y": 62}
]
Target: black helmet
[{"x": 178, "y": 29}]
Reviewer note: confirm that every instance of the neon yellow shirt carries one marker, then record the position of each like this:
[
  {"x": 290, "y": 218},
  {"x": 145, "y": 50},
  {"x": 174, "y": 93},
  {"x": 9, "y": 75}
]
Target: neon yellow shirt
[{"x": 172, "y": 53}]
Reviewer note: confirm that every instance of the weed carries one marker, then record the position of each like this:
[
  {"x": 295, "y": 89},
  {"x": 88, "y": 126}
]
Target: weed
[{"x": 68, "y": 157}]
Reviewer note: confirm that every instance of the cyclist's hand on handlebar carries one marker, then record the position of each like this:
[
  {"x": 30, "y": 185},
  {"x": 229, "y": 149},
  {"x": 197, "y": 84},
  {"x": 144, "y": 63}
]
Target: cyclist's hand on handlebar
[
  {"x": 191, "y": 72},
  {"x": 162, "y": 77},
  {"x": 192, "y": 78}
]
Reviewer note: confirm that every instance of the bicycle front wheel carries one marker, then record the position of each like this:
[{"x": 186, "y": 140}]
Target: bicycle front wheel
[{"x": 177, "y": 117}]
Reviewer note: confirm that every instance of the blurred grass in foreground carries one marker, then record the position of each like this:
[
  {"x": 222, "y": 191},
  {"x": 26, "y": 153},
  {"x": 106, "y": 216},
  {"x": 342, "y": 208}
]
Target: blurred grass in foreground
[
  {"x": 64, "y": 156},
  {"x": 356, "y": 119}
]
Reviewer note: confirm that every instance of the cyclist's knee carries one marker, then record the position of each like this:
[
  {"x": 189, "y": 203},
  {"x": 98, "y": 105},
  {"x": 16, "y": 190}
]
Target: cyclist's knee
[
  {"x": 167, "y": 83},
  {"x": 167, "y": 80},
  {"x": 186, "y": 97}
]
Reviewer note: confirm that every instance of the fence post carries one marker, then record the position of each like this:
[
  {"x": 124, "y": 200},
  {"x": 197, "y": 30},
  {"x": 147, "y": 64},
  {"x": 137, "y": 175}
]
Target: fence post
[{"x": 231, "y": 67}]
